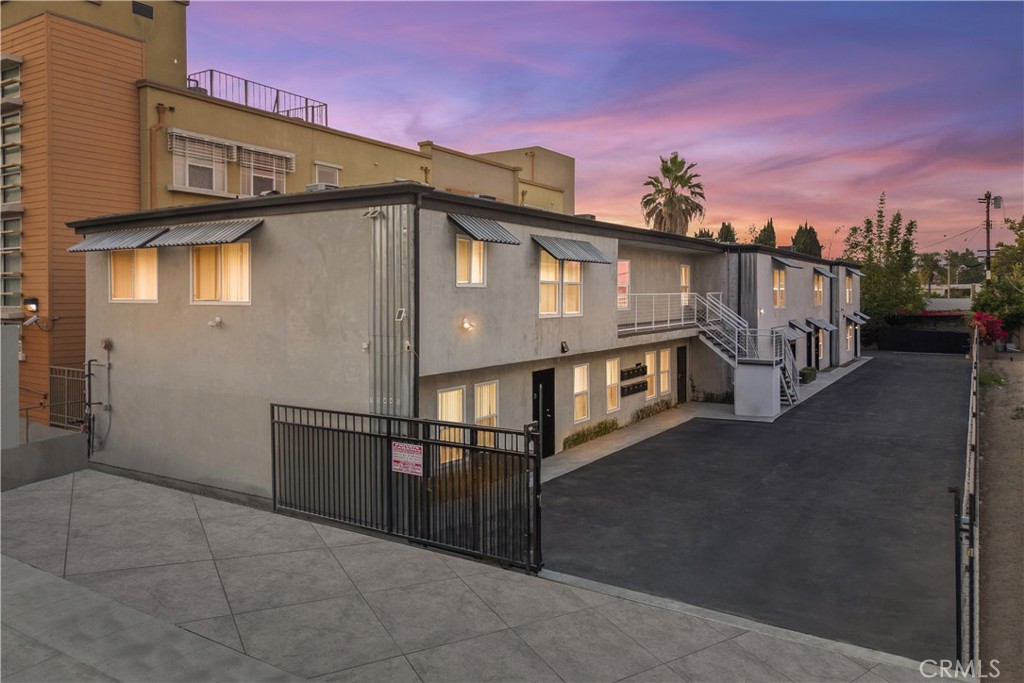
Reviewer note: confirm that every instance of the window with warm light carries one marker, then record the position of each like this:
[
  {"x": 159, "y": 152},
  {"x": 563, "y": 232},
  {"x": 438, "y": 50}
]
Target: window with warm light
[
  {"x": 450, "y": 404},
  {"x": 485, "y": 410},
  {"x": 650, "y": 360},
  {"x": 572, "y": 303},
  {"x": 470, "y": 262},
  {"x": 220, "y": 273},
  {"x": 849, "y": 289},
  {"x": 550, "y": 284},
  {"x": 819, "y": 289},
  {"x": 581, "y": 392},
  {"x": 622, "y": 285},
  {"x": 664, "y": 368},
  {"x": 684, "y": 279},
  {"x": 611, "y": 373},
  {"x": 849, "y": 336},
  {"x": 778, "y": 287},
  {"x": 133, "y": 275},
  {"x": 821, "y": 343}
]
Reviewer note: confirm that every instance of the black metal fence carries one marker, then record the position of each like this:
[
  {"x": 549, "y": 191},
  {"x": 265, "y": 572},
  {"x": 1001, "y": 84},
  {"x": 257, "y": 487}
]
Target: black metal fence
[
  {"x": 67, "y": 397},
  {"x": 923, "y": 341},
  {"x": 466, "y": 488}
]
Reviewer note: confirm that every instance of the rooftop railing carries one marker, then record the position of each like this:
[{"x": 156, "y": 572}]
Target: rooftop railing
[{"x": 258, "y": 96}]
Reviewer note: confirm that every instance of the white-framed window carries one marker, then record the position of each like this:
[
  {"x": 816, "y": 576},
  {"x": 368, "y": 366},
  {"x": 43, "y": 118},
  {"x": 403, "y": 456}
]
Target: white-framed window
[
  {"x": 581, "y": 392},
  {"x": 611, "y": 375},
  {"x": 550, "y": 284},
  {"x": 622, "y": 286},
  {"x": 572, "y": 302},
  {"x": 326, "y": 173},
  {"x": 849, "y": 288},
  {"x": 200, "y": 164},
  {"x": 470, "y": 262},
  {"x": 664, "y": 368},
  {"x": 849, "y": 336},
  {"x": 821, "y": 343},
  {"x": 684, "y": 279},
  {"x": 779, "y": 287},
  {"x": 10, "y": 81},
  {"x": 133, "y": 275},
  {"x": 485, "y": 410},
  {"x": 262, "y": 172},
  {"x": 651, "y": 360},
  {"x": 11, "y": 182},
  {"x": 819, "y": 289},
  {"x": 221, "y": 273},
  {"x": 451, "y": 408},
  {"x": 10, "y": 272}
]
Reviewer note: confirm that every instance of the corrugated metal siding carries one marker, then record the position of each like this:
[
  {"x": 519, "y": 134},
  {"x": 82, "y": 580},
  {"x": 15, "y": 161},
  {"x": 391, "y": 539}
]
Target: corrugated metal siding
[
  {"x": 391, "y": 292},
  {"x": 571, "y": 250},
  {"x": 118, "y": 239},
  {"x": 213, "y": 232},
  {"x": 484, "y": 229}
]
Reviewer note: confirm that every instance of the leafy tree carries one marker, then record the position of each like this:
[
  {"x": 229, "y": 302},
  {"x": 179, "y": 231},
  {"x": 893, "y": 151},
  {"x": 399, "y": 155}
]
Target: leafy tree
[
  {"x": 929, "y": 269},
  {"x": 805, "y": 241},
  {"x": 704, "y": 234},
  {"x": 676, "y": 196},
  {"x": 1003, "y": 296},
  {"x": 767, "y": 235},
  {"x": 727, "y": 234},
  {"x": 963, "y": 267},
  {"x": 886, "y": 254}
]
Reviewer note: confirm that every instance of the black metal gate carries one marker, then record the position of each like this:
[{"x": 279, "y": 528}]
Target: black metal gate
[{"x": 466, "y": 488}]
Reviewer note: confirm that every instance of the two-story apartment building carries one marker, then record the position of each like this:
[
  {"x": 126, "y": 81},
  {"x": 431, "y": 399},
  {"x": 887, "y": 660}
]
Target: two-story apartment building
[{"x": 400, "y": 299}]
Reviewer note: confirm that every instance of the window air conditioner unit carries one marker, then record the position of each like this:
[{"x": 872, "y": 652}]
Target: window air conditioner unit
[{"x": 316, "y": 187}]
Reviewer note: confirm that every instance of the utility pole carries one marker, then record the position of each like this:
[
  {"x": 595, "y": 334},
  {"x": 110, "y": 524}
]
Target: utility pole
[{"x": 987, "y": 201}]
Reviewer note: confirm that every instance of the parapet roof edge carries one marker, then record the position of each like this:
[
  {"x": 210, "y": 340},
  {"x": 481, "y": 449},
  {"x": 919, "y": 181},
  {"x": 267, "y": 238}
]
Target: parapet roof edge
[{"x": 786, "y": 253}]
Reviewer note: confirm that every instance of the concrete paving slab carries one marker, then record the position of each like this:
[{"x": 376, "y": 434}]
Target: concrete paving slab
[
  {"x": 316, "y": 638},
  {"x": 665, "y": 634},
  {"x": 466, "y": 567},
  {"x": 61, "y": 483},
  {"x": 20, "y": 651},
  {"x": 725, "y": 662},
  {"x": 431, "y": 614},
  {"x": 59, "y": 669},
  {"x": 134, "y": 543},
  {"x": 176, "y": 593},
  {"x": 259, "y": 533},
  {"x": 519, "y": 599},
  {"x": 335, "y": 537},
  {"x": 135, "y": 500},
  {"x": 501, "y": 657},
  {"x": 380, "y": 566},
  {"x": 394, "y": 670},
  {"x": 210, "y": 508},
  {"x": 659, "y": 674},
  {"x": 584, "y": 646},
  {"x": 219, "y": 629},
  {"x": 40, "y": 543},
  {"x": 264, "y": 581},
  {"x": 799, "y": 662}
]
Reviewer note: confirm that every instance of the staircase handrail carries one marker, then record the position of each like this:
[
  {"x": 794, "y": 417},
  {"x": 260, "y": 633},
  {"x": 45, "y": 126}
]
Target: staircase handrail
[
  {"x": 790, "y": 362},
  {"x": 714, "y": 302}
]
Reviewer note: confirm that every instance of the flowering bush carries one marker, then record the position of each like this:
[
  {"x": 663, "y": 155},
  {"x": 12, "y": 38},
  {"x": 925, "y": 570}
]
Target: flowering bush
[{"x": 990, "y": 328}]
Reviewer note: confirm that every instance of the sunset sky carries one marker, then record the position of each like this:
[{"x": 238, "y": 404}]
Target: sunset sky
[{"x": 796, "y": 111}]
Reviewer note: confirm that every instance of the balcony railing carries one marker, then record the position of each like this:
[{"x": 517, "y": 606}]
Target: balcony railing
[
  {"x": 654, "y": 311},
  {"x": 258, "y": 96}
]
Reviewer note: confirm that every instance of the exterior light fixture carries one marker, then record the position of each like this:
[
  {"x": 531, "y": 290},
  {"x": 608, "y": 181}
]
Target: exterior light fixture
[
  {"x": 467, "y": 324},
  {"x": 565, "y": 347},
  {"x": 31, "y": 305}
]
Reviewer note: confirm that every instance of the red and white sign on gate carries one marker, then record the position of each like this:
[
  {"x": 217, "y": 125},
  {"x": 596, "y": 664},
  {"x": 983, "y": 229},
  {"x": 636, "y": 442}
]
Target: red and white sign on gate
[{"x": 407, "y": 458}]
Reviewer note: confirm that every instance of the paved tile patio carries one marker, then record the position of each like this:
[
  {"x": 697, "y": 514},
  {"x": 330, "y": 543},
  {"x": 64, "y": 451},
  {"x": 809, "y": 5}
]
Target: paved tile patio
[{"x": 246, "y": 589}]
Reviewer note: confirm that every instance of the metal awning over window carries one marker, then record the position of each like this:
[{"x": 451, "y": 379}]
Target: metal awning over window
[
  {"x": 863, "y": 315},
  {"x": 571, "y": 250},
  {"x": 854, "y": 271},
  {"x": 800, "y": 326},
  {"x": 855, "y": 317},
  {"x": 213, "y": 232},
  {"x": 484, "y": 229},
  {"x": 118, "y": 239},
  {"x": 823, "y": 324},
  {"x": 791, "y": 334},
  {"x": 825, "y": 272},
  {"x": 789, "y": 263}
]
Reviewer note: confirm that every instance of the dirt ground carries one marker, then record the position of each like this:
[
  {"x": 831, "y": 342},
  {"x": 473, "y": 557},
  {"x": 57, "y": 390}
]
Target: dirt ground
[{"x": 1002, "y": 517}]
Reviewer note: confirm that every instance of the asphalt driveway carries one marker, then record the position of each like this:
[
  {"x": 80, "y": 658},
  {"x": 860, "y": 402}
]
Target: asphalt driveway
[{"x": 834, "y": 520}]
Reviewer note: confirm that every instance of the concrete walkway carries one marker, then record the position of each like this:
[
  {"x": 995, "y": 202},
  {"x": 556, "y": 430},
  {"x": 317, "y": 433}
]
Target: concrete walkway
[
  {"x": 164, "y": 585},
  {"x": 584, "y": 454}
]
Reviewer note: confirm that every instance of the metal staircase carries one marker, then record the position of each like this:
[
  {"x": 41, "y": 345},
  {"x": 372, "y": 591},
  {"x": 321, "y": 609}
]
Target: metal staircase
[{"x": 729, "y": 335}]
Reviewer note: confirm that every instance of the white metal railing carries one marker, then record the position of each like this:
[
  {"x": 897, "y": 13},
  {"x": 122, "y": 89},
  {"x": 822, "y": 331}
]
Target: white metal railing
[
  {"x": 789, "y": 364},
  {"x": 654, "y": 311},
  {"x": 968, "y": 526}
]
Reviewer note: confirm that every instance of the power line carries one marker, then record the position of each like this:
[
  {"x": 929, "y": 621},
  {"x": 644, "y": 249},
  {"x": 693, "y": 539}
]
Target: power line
[{"x": 951, "y": 237}]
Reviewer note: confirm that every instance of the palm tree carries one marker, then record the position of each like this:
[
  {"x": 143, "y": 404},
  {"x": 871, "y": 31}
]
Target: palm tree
[{"x": 676, "y": 197}]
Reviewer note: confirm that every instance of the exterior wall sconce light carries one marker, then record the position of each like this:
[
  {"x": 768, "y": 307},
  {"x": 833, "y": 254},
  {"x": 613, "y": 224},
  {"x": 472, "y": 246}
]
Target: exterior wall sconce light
[
  {"x": 467, "y": 324},
  {"x": 31, "y": 305},
  {"x": 565, "y": 347}
]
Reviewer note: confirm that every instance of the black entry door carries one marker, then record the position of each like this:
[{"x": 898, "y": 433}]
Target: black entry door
[
  {"x": 544, "y": 409},
  {"x": 810, "y": 350},
  {"x": 817, "y": 349},
  {"x": 681, "y": 382}
]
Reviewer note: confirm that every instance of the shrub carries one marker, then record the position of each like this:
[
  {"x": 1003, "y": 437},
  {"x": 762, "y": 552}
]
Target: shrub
[
  {"x": 990, "y": 328},
  {"x": 712, "y": 397},
  {"x": 808, "y": 375},
  {"x": 653, "y": 409},
  {"x": 592, "y": 432}
]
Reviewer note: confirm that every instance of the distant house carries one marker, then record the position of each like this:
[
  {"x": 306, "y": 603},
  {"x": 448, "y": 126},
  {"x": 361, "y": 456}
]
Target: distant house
[{"x": 400, "y": 299}]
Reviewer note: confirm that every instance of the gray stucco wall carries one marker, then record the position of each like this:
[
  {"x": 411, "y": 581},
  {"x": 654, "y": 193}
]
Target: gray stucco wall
[
  {"x": 841, "y": 309},
  {"x": 9, "y": 372},
  {"x": 191, "y": 401}
]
